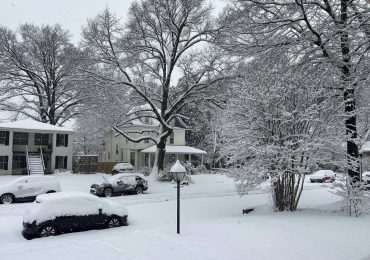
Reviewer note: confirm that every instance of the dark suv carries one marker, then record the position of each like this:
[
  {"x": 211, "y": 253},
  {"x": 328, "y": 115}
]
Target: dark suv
[{"x": 121, "y": 183}]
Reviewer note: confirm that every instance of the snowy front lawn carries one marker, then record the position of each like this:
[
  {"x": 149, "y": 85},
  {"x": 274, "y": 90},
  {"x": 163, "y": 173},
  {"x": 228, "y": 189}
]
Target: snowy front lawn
[{"x": 212, "y": 226}]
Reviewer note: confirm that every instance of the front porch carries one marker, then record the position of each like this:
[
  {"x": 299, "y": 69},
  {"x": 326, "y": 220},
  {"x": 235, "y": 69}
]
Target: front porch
[{"x": 182, "y": 153}]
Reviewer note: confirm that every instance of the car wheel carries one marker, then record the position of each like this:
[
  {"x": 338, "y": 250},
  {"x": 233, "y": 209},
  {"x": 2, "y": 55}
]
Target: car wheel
[
  {"x": 48, "y": 230},
  {"x": 114, "y": 222},
  {"x": 7, "y": 198},
  {"x": 108, "y": 192},
  {"x": 139, "y": 190}
]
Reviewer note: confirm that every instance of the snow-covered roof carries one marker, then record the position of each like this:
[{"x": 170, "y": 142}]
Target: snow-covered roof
[
  {"x": 366, "y": 147},
  {"x": 29, "y": 124},
  {"x": 175, "y": 149},
  {"x": 147, "y": 110}
]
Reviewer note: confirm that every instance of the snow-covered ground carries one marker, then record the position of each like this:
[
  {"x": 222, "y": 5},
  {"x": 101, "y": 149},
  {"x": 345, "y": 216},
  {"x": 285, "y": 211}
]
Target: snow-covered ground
[{"x": 212, "y": 226}]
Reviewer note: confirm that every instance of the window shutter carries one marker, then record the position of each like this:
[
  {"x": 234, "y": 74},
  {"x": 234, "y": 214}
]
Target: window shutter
[
  {"x": 56, "y": 162},
  {"x": 6, "y": 160},
  {"x": 7, "y": 138},
  {"x": 65, "y": 162},
  {"x": 66, "y": 140},
  {"x": 58, "y": 140}
]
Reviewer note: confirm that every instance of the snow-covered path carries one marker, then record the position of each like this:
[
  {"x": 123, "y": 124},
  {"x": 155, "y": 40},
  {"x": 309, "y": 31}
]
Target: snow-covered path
[{"x": 212, "y": 227}]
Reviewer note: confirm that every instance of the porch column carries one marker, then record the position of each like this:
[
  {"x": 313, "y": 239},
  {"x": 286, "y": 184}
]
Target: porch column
[
  {"x": 150, "y": 160},
  {"x": 202, "y": 159},
  {"x": 177, "y": 156}
]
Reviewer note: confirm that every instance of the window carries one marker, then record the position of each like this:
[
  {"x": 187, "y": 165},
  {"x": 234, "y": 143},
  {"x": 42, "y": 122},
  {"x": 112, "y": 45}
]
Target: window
[
  {"x": 146, "y": 140},
  {"x": 146, "y": 160},
  {"x": 4, "y": 137},
  {"x": 19, "y": 162},
  {"x": 3, "y": 162},
  {"x": 20, "y": 138},
  {"x": 171, "y": 158},
  {"x": 62, "y": 140},
  {"x": 41, "y": 139},
  {"x": 172, "y": 138},
  {"x": 61, "y": 162},
  {"x": 132, "y": 158},
  {"x": 116, "y": 148}
]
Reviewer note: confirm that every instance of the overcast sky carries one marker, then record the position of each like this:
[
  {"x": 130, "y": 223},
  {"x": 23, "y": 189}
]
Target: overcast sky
[{"x": 71, "y": 14}]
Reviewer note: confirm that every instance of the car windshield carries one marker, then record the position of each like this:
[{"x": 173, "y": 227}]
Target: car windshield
[
  {"x": 113, "y": 179},
  {"x": 18, "y": 180}
]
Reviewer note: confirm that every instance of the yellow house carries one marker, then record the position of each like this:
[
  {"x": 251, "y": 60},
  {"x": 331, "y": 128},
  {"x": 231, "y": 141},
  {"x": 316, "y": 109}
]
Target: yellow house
[{"x": 117, "y": 148}]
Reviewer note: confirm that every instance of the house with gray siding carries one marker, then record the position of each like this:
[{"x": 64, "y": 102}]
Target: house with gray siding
[{"x": 29, "y": 147}]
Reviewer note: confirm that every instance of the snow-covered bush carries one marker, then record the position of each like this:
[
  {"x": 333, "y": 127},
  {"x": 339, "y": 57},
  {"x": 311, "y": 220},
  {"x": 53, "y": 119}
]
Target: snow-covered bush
[
  {"x": 275, "y": 127},
  {"x": 145, "y": 170},
  {"x": 191, "y": 169},
  {"x": 356, "y": 197}
]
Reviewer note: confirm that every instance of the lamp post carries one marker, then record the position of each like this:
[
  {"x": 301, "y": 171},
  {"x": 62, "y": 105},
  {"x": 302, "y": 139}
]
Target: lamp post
[{"x": 178, "y": 172}]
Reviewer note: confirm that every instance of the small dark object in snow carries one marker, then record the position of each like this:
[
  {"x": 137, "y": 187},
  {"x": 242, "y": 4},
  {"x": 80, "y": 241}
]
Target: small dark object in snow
[{"x": 246, "y": 211}]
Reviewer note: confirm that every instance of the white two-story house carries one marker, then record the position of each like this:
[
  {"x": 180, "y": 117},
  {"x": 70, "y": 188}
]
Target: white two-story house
[
  {"x": 117, "y": 148},
  {"x": 27, "y": 142}
]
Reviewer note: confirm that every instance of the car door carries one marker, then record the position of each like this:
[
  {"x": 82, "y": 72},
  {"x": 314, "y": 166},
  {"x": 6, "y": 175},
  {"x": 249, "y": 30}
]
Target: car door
[
  {"x": 121, "y": 185},
  {"x": 93, "y": 218},
  {"x": 36, "y": 186},
  {"x": 24, "y": 188},
  {"x": 130, "y": 183}
]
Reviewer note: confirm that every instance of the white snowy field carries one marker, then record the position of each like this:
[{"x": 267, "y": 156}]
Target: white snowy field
[{"x": 212, "y": 226}]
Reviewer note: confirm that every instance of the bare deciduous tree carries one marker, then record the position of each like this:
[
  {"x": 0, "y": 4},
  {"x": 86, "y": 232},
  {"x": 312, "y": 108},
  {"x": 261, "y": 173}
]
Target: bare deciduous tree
[
  {"x": 39, "y": 73},
  {"x": 160, "y": 38}
]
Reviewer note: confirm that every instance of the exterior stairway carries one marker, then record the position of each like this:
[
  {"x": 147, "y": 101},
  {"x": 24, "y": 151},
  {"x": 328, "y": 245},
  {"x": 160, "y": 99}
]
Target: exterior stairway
[{"x": 35, "y": 164}]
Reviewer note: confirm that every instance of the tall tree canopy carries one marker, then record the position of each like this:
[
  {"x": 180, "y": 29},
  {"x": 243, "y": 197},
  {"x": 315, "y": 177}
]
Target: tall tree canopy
[
  {"x": 159, "y": 41},
  {"x": 332, "y": 31},
  {"x": 39, "y": 74}
]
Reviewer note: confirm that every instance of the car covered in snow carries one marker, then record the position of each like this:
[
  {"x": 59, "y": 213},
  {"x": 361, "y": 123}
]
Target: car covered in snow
[
  {"x": 323, "y": 176},
  {"x": 121, "y": 183},
  {"x": 122, "y": 167},
  {"x": 64, "y": 212},
  {"x": 27, "y": 188}
]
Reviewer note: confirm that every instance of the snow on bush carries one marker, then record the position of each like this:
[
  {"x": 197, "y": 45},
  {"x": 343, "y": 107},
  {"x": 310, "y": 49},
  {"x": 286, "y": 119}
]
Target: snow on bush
[{"x": 274, "y": 127}]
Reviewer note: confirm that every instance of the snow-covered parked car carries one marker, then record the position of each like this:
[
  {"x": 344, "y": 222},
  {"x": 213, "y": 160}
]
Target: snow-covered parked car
[
  {"x": 122, "y": 167},
  {"x": 121, "y": 183},
  {"x": 27, "y": 188},
  {"x": 323, "y": 176},
  {"x": 63, "y": 212}
]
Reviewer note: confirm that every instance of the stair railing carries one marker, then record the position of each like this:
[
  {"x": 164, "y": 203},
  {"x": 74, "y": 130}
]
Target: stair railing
[
  {"x": 28, "y": 162},
  {"x": 42, "y": 159}
]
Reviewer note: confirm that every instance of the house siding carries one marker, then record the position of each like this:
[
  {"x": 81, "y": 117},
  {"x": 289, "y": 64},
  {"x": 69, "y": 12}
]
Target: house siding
[
  {"x": 112, "y": 142},
  {"x": 7, "y": 150},
  {"x": 52, "y": 151}
]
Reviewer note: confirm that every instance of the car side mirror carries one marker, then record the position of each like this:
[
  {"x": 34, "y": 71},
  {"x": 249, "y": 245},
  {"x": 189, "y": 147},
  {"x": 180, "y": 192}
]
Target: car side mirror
[{"x": 100, "y": 211}]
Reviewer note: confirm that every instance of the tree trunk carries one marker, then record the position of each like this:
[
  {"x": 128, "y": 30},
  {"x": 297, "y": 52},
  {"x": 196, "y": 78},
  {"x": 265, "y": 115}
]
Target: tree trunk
[
  {"x": 161, "y": 147},
  {"x": 349, "y": 98}
]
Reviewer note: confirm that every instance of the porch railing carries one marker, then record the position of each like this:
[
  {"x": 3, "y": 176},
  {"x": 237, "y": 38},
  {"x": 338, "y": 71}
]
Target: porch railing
[
  {"x": 28, "y": 163},
  {"x": 42, "y": 159}
]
